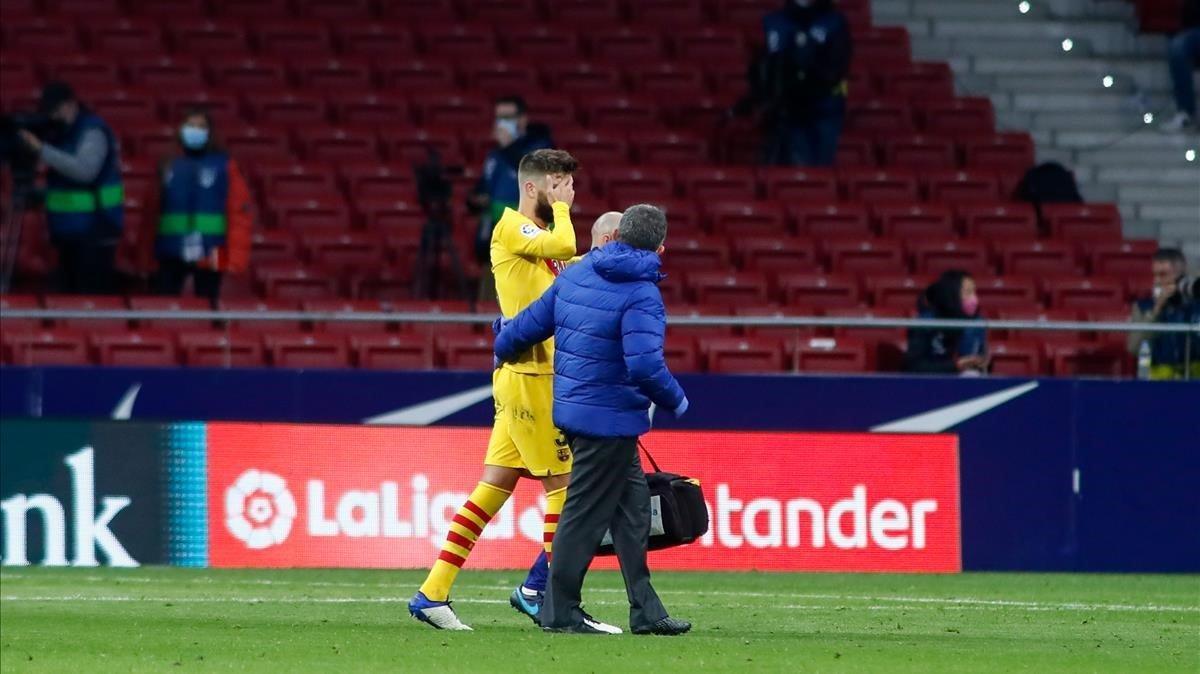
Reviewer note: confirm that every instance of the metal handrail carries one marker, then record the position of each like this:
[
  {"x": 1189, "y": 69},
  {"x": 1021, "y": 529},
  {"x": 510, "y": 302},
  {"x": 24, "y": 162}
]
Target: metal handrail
[{"x": 477, "y": 319}]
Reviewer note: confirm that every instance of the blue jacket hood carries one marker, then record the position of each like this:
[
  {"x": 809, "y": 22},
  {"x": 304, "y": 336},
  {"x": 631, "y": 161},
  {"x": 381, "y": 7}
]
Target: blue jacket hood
[{"x": 621, "y": 263}]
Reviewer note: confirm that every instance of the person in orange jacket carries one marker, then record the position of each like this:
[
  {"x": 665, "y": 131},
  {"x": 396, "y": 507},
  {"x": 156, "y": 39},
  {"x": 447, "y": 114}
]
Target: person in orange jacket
[{"x": 204, "y": 214}]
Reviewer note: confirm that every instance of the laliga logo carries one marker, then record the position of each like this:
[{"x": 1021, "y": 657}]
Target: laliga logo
[{"x": 259, "y": 509}]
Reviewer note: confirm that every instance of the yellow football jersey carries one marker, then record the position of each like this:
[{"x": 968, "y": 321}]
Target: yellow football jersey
[{"x": 525, "y": 261}]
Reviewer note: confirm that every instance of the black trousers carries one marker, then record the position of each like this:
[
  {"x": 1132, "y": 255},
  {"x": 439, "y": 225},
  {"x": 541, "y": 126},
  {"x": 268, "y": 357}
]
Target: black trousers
[
  {"x": 86, "y": 267},
  {"x": 608, "y": 491},
  {"x": 173, "y": 273}
]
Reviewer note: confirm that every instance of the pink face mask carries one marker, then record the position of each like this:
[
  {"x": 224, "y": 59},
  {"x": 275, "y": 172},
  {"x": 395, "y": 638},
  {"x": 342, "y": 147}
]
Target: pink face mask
[{"x": 971, "y": 305}]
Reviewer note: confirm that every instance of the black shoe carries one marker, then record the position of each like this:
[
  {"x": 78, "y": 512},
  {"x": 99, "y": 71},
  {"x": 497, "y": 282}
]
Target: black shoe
[
  {"x": 581, "y": 628},
  {"x": 668, "y": 627}
]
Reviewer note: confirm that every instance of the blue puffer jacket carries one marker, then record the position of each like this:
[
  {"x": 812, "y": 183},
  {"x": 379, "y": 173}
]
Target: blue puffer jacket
[{"x": 607, "y": 318}]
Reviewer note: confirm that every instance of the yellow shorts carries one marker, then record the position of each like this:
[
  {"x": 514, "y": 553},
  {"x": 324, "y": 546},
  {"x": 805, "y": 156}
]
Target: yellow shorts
[{"x": 524, "y": 435}]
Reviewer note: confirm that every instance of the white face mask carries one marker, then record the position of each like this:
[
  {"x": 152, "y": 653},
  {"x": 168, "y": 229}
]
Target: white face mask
[
  {"x": 1157, "y": 292},
  {"x": 193, "y": 137}
]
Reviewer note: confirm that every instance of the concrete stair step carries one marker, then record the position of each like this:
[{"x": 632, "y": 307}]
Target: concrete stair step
[
  {"x": 1182, "y": 195},
  {"x": 1174, "y": 213},
  {"x": 1149, "y": 139},
  {"x": 1132, "y": 175},
  {"x": 1180, "y": 232},
  {"x": 1140, "y": 229}
]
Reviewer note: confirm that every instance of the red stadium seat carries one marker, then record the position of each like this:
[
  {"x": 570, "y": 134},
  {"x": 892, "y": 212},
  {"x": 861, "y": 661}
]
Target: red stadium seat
[
  {"x": 1127, "y": 259},
  {"x": 292, "y": 179},
  {"x": 627, "y": 44},
  {"x": 1002, "y": 151},
  {"x": 335, "y": 9},
  {"x": 170, "y": 8},
  {"x": 247, "y": 73},
  {"x": 916, "y": 221},
  {"x": 370, "y": 37},
  {"x": 171, "y": 304},
  {"x": 657, "y": 147},
  {"x": 1037, "y": 257},
  {"x": 712, "y": 183},
  {"x": 922, "y": 152},
  {"x": 83, "y": 72},
  {"x": 890, "y": 335},
  {"x": 776, "y": 254},
  {"x": 453, "y": 108},
  {"x": 135, "y": 349},
  {"x": 585, "y": 12},
  {"x": 286, "y": 107},
  {"x": 996, "y": 222},
  {"x": 1088, "y": 360},
  {"x": 633, "y": 184},
  {"x": 668, "y": 12},
  {"x": 260, "y": 307},
  {"x": 959, "y": 116},
  {"x": 1041, "y": 316},
  {"x": 18, "y": 325},
  {"x": 696, "y": 113},
  {"x": 817, "y": 290},
  {"x": 1004, "y": 292},
  {"x": 124, "y": 35},
  {"x": 47, "y": 348},
  {"x": 538, "y": 41},
  {"x": 886, "y": 48},
  {"x": 214, "y": 349},
  {"x": 1084, "y": 293},
  {"x": 334, "y": 74},
  {"x": 437, "y": 307},
  {"x": 347, "y": 307},
  {"x": 857, "y": 256},
  {"x": 375, "y": 181},
  {"x": 773, "y": 311},
  {"x": 465, "y": 352},
  {"x": 161, "y": 140},
  {"x": 920, "y": 81},
  {"x": 619, "y": 111},
  {"x": 292, "y": 282},
  {"x": 495, "y": 77},
  {"x": 457, "y": 39},
  {"x": 124, "y": 107},
  {"x": 388, "y": 215},
  {"x": 298, "y": 213},
  {"x": 957, "y": 186},
  {"x": 196, "y": 35},
  {"x": 409, "y": 146},
  {"x": 831, "y": 219},
  {"x": 1016, "y": 358},
  {"x": 253, "y": 9},
  {"x": 829, "y": 354},
  {"x": 273, "y": 247},
  {"x": 293, "y": 38},
  {"x": 691, "y": 253},
  {"x": 935, "y": 257},
  {"x": 594, "y": 148},
  {"x": 418, "y": 10},
  {"x": 1083, "y": 222},
  {"x": 224, "y": 106},
  {"x": 417, "y": 74},
  {"x": 88, "y": 303},
  {"x": 368, "y": 108},
  {"x": 894, "y": 292},
  {"x": 855, "y": 153},
  {"x": 726, "y": 288},
  {"x": 710, "y": 45},
  {"x": 698, "y": 331},
  {"x": 879, "y": 117},
  {"x": 681, "y": 354},
  {"x": 742, "y": 354},
  {"x": 166, "y": 72},
  {"x": 665, "y": 78},
  {"x": 746, "y": 218},
  {"x": 393, "y": 352},
  {"x": 341, "y": 252},
  {"x": 682, "y": 215},
  {"x": 877, "y": 186},
  {"x": 799, "y": 184},
  {"x": 304, "y": 351},
  {"x": 40, "y": 35}
]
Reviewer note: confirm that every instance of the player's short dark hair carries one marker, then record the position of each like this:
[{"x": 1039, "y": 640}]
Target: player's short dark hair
[
  {"x": 643, "y": 226},
  {"x": 1172, "y": 255},
  {"x": 517, "y": 101},
  {"x": 540, "y": 163}
]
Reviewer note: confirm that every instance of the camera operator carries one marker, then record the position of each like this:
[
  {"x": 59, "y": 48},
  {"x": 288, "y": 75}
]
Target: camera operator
[
  {"x": 84, "y": 195},
  {"x": 497, "y": 187},
  {"x": 801, "y": 82},
  {"x": 1168, "y": 303}
]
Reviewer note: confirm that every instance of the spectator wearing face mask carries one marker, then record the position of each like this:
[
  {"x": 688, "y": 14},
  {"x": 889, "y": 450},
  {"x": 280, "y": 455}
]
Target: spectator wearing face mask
[
  {"x": 944, "y": 350},
  {"x": 84, "y": 194},
  {"x": 205, "y": 214},
  {"x": 497, "y": 187}
]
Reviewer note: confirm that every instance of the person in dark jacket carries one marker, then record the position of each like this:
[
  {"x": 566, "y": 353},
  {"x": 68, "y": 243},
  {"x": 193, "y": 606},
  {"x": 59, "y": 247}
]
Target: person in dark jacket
[
  {"x": 1183, "y": 51},
  {"x": 942, "y": 350},
  {"x": 607, "y": 317},
  {"x": 84, "y": 194},
  {"x": 801, "y": 79},
  {"x": 1170, "y": 353},
  {"x": 205, "y": 214}
]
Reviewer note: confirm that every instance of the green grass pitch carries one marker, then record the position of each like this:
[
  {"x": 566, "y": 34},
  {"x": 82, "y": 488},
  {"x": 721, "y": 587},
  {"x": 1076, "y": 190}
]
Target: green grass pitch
[{"x": 168, "y": 620}]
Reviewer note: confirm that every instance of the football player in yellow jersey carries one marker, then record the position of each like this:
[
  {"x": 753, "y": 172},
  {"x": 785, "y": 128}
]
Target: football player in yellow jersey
[{"x": 529, "y": 247}]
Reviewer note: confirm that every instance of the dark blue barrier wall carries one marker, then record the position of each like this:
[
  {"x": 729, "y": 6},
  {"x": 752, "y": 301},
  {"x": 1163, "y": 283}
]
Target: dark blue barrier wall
[{"x": 1059, "y": 475}]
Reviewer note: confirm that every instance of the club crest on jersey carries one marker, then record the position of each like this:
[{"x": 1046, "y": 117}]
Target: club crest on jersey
[
  {"x": 208, "y": 177},
  {"x": 530, "y": 230}
]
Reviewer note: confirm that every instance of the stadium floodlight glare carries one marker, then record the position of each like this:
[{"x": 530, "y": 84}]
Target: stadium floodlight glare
[
  {"x": 1190, "y": 155},
  {"x": 1068, "y": 44},
  {"x": 1023, "y": 7},
  {"x": 1107, "y": 81},
  {"x": 1148, "y": 118}
]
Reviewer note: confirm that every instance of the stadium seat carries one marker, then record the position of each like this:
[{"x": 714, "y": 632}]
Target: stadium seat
[
  {"x": 465, "y": 352},
  {"x": 21, "y": 325},
  {"x": 273, "y": 246},
  {"x": 247, "y": 73},
  {"x": 292, "y": 179},
  {"x": 538, "y": 42},
  {"x": 935, "y": 257},
  {"x": 746, "y": 218},
  {"x": 403, "y": 217},
  {"x": 880, "y": 186},
  {"x": 372, "y": 38},
  {"x": 47, "y": 348},
  {"x": 416, "y": 74},
  {"x": 595, "y": 148},
  {"x": 436, "y": 307},
  {"x": 292, "y": 38},
  {"x": 299, "y": 213},
  {"x": 581, "y": 77},
  {"x": 667, "y": 12},
  {"x": 919, "y": 81},
  {"x": 626, "y": 44},
  {"x": 1127, "y": 259},
  {"x": 347, "y": 307},
  {"x": 889, "y": 291},
  {"x": 879, "y": 117},
  {"x": 829, "y": 354},
  {"x": 889, "y": 335},
  {"x": 693, "y": 253},
  {"x": 864, "y": 256},
  {"x": 83, "y": 72},
  {"x": 710, "y": 45},
  {"x": 417, "y": 10},
  {"x": 194, "y": 35},
  {"x": 775, "y": 254},
  {"x": 1084, "y": 293},
  {"x": 666, "y": 78},
  {"x": 697, "y": 331},
  {"x": 884, "y": 48},
  {"x": 817, "y": 290},
  {"x": 340, "y": 10},
  {"x": 916, "y": 221},
  {"x": 293, "y": 282},
  {"x": 632, "y": 184},
  {"x": 170, "y": 305},
  {"x": 123, "y": 35},
  {"x": 253, "y": 143},
  {"x": 341, "y": 252},
  {"x": 135, "y": 349},
  {"x": 774, "y": 311},
  {"x": 958, "y": 116},
  {"x": 682, "y": 216},
  {"x": 1003, "y": 292},
  {"x": 251, "y": 9},
  {"x": 88, "y": 303},
  {"x": 997, "y": 222},
  {"x": 393, "y": 352},
  {"x": 375, "y": 181},
  {"x": 585, "y": 12},
  {"x": 286, "y": 107},
  {"x": 166, "y": 72},
  {"x": 40, "y": 35},
  {"x": 334, "y": 74},
  {"x": 1001, "y": 151},
  {"x": 124, "y": 106},
  {"x": 920, "y": 152},
  {"x": 307, "y": 351},
  {"x": 619, "y": 111},
  {"x": 499, "y": 77},
  {"x": 727, "y": 288},
  {"x": 831, "y": 219},
  {"x": 799, "y": 184},
  {"x": 1083, "y": 222},
  {"x": 681, "y": 354},
  {"x": 457, "y": 39},
  {"x": 151, "y": 140},
  {"x": 338, "y": 143},
  {"x": 1016, "y": 358},
  {"x": 354, "y": 109},
  {"x": 745, "y": 355},
  {"x": 412, "y": 146},
  {"x": 1051, "y": 258},
  {"x": 452, "y": 108},
  {"x": 958, "y": 186},
  {"x": 710, "y": 183},
  {"x": 223, "y": 106},
  {"x": 214, "y": 349},
  {"x": 656, "y": 147},
  {"x": 1103, "y": 360}
]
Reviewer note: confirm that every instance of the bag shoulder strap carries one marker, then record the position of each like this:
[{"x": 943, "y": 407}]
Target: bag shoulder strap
[{"x": 648, "y": 456}]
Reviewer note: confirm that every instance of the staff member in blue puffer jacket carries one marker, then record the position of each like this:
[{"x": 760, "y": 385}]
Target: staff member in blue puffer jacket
[
  {"x": 205, "y": 214},
  {"x": 84, "y": 195},
  {"x": 607, "y": 318}
]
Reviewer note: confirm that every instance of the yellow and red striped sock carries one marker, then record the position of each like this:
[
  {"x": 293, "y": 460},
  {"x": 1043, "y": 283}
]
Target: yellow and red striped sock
[
  {"x": 554, "y": 506},
  {"x": 468, "y": 523}
]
